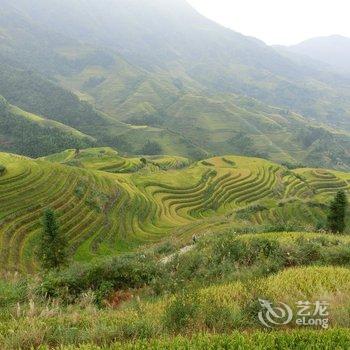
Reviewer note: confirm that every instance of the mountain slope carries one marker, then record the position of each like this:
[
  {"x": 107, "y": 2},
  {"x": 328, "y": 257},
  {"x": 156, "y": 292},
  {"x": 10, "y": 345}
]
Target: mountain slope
[
  {"x": 333, "y": 50},
  {"x": 181, "y": 81},
  {"x": 31, "y": 135},
  {"x": 186, "y": 44}
]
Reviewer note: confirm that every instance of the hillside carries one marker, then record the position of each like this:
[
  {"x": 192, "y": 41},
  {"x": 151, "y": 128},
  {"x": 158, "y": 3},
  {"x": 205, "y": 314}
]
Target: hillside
[
  {"x": 171, "y": 47},
  {"x": 32, "y": 135},
  {"x": 332, "y": 50},
  {"x": 110, "y": 204},
  {"x": 187, "y": 83},
  {"x": 34, "y": 93}
]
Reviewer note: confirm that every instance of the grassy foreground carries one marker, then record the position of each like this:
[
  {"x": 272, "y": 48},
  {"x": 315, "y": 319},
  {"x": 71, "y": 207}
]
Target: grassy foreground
[
  {"x": 206, "y": 297},
  {"x": 298, "y": 340}
]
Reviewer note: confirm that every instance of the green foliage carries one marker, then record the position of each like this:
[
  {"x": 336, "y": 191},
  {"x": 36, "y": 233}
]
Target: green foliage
[
  {"x": 337, "y": 213},
  {"x": 53, "y": 245},
  {"x": 181, "y": 312},
  {"x": 292, "y": 340},
  {"x": 242, "y": 144},
  {"x": 252, "y": 209},
  {"x": 122, "y": 272},
  {"x": 216, "y": 259},
  {"x": 292, "y": 166},
  {"x": 151, "y": 148},
  {"x": 2, "y": 170},
  {"x": 150, "y": 120},
  {"x": 12, "y": 292},
  {"x": 204, "y": 162},
  {"x": 27, "y": 137},
  {"x": 165, "y": 248},
  {"x": 229, "y": 161},
  {"x": 33, "y": 93},
  {"x": 217, "y": 285}
]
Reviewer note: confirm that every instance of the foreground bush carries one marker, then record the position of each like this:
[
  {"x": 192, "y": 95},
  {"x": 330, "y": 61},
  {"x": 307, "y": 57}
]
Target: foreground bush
[
  {"x": 2, "y": 170},
  {"x": 122, "y": 272}
]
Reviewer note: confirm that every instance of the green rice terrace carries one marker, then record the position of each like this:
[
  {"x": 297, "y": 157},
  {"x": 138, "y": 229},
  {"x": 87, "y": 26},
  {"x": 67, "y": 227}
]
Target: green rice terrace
[{"x": 107, "y": 204}]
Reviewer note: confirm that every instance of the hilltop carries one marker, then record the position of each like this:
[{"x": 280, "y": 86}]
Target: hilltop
[
  {"x": 108, "y": 204},
  {"x": 332, "y": 50}
]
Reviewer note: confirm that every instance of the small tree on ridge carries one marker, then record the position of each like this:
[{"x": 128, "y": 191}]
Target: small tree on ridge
[{"x": 53, "y": 245}]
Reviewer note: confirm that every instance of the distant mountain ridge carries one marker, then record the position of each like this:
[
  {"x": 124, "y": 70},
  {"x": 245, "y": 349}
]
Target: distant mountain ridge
[
  {"x": 158, "y": 70},
  {"x": 333, "y": 50}
]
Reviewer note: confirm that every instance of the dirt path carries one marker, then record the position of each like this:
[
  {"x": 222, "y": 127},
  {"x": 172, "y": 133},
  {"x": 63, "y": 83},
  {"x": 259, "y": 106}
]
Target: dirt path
[{"x": 182, "y": 251}]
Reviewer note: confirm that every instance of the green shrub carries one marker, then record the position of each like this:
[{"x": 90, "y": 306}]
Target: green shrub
[
  {"x": 12, "y": 292},
  {"x": 204, "y": 162},
  {"x": 181, "y": 312},
  {"x": 137, "y": 329},
  {"x": 2, "y": 170},
  {"x": 336, "y": 255},
  {"x": 219, "y": 318},
  {"x": 122, "y": 272},
  {"x": 151, "y": 148},
  {"x": 246, "y": 213},
  {"x": 165, "y": 248},
  {"x": 214, "y": 259}
]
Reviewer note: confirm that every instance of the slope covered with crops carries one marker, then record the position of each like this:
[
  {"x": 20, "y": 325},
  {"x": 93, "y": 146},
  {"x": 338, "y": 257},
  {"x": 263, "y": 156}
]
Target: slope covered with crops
[{"x": 107, "y": 204}]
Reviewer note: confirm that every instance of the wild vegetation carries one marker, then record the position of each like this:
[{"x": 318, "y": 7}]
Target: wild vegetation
[
  {"x": 2, "y": 170},
  {"x": 28, "y": 134},
  {"x": 207, "y": 294}
]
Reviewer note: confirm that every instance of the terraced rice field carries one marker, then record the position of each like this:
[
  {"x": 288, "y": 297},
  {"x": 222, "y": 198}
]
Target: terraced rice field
[
  {"x": 108, "y": 160},
  {"x": 105, "y": 209}
]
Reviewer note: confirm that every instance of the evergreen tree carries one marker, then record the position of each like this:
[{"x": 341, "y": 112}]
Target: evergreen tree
[
  {"x": 53, "y": 245},
  {"x": 337, "y": 212}
]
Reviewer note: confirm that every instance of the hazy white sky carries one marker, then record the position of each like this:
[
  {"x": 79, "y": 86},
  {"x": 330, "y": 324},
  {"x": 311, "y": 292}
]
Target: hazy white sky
[{"x": 280, "y": 21}]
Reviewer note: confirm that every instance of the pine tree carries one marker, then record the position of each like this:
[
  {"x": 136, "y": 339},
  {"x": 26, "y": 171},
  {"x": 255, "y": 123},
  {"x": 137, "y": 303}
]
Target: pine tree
[
  {"x": 337, "y": 213},
  {"x": 53, "y": 245}
]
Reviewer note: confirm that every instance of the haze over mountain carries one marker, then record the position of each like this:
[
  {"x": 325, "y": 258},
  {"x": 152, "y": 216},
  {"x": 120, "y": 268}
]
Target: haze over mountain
[
  {"x": 333, "y": 50},
  {"x": 157, "y": 70}
]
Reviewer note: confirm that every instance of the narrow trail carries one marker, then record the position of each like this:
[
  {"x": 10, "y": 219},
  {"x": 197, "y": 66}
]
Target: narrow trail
[{"x": 182, "y": 251}]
